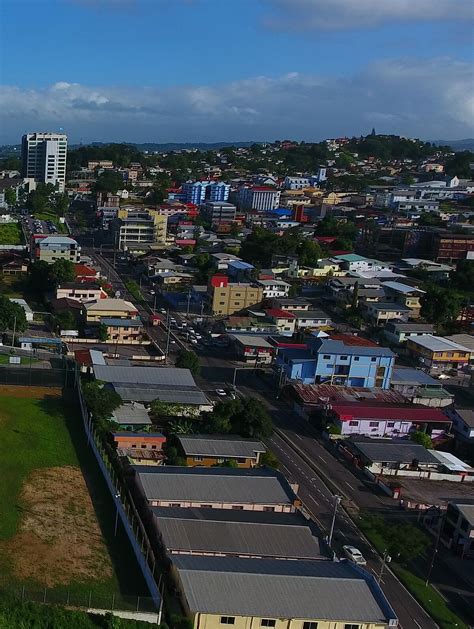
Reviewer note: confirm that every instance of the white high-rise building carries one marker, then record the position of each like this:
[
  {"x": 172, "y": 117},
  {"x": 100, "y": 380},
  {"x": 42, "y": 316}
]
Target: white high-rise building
[{"x": 44, "y": 157}]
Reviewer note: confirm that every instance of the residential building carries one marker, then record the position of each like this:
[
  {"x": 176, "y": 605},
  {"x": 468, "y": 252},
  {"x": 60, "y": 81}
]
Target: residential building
[
  {"x": 233, "y": 533},
  {"x": 293, "y": 304},
  {"x": 251, "y": 348},
  {"x": 256, "y": 489},
  {"x": 398, "y": 332},
  {"x": 138, "y": 229},
  {"x": 338, "y": 359},
  {"x": 131, "y": 416},
  {"x": 228, "y": 297},
  {"x": 240, "y": 271},
  {"x": 420, "y": 388},
  {"x": 458, "y": 529},
  {"x": 449, "y": 247},
  {"x": 194, "y": 191},
  {"x": 380, "y": 313},
  {"x": 209, "y": 450},
  {"x": 258, "y": 198},
  {"x": 123, "y": 331},
  {"x": 28, "y": 311},
  {"x": 85, "y": 273},
  {"x": 274, "y": 288},
  {"x": 284, "y": 320},
  {"x": 218, "y": 191},
  {"x": 466, "y": 340},
  {"x": 353, "y": 262},
  {"x": 96, "y": 310},
  {"x": 463, "y": 423},
  {"x": 307, "y": 319},
  {"x": 140, "y": 448},
  {"x": 247, "y": 592},
  {"x": 44, "y": 158},
  {"x": 219, "y": 211},
  {"x": 406, "y": 295},
  {"x": 82, "y": 291},
  {"x": 437, "y": 353},
  {"x": 51, "y": 248}
]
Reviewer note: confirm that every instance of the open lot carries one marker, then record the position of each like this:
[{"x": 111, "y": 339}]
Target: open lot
[{"x": 57, "y": 521}]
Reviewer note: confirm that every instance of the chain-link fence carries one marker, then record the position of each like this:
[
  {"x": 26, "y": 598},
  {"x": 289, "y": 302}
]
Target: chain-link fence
[
  {"x": 36, "y": 369},
  {"x": 82, "y": 599}
]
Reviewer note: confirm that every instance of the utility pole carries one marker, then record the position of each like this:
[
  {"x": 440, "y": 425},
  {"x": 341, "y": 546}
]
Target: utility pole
[
  {"x": 189, "y": 299},
  {"x": 167, "y": 333},
  {"x": 385, "y": 560},
  {"x": 337, "y": 500},
  {"x": 435, "y": 551},
  {"x": 14, "y": 331},
  {"x": 154, "y": 304}
]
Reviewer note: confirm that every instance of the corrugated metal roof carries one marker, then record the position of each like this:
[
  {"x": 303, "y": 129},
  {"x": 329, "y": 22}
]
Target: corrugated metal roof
[
  {"x": 251, "y": 341},
  {"x": 403, "y": 288},
  {"x": 234, "y": 515},
  {"x": 410, "y": 375},
  {"x": 268, "y": 588},
  {"x": 392, "y": 451},
  {"x": 174, "y": 395},
  {"x": 131, "y": 414},
  {"x": 324, "y": 393},
  {"x": 213, "y": 446},
  {"x": 144, "y": 375},
  {"x": 437, "y": 343},
  {"x": 382, "y": 412},
  {"x": 238, "y": 538},
  {"x": 208, "y": 485}
]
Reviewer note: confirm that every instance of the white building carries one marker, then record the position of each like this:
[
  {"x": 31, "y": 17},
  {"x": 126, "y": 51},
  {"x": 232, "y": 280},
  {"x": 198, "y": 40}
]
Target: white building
[
  {"x": 274, "y": 288},
  {"x": 44, "y": 158},
  {"x": 259, "y": 198}
]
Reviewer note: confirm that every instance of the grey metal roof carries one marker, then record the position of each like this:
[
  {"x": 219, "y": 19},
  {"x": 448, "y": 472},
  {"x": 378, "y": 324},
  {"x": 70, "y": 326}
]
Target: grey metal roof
[
  {"x": 393, "y": 451},
  {"x": 209, "y": 485},
  {"x": 270, "y": 588},
  {"x": 389, "y": 306},
  {"x": 234, "y": 515},
  {"x": 438, "y": 343},
  {"x": 467, "y": 511},
  {"x": 238, "y": 538},
  {"x": 402, "y": 288},
  {"x": 311, "y": 314},
  {"x": 134, "y": 393},
  {"x": 410, "y": 375},
  {"x": 412, "y": 327},
  {"x": 337, "y": 346},
  {"x": 207, "y": 445},
  {"x": 131, "y": 414},
  {"x": 467, "y": 415},
  {"x": 251, "y": 341},
  {"x": 144, "y": 375}
]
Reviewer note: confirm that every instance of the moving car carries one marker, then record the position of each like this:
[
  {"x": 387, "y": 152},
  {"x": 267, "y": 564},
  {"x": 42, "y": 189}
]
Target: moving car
[{"x": 353, "y": 554}]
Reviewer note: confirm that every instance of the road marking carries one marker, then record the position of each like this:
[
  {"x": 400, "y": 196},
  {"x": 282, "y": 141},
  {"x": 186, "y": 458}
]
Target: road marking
[
  {"x": 322, "y": 458},
  {"x": 349, "y": 485}
]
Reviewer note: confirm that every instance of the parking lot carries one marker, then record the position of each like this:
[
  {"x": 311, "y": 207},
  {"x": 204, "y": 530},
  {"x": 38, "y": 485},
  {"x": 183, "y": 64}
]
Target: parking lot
[{"x": 35, "y": 226}]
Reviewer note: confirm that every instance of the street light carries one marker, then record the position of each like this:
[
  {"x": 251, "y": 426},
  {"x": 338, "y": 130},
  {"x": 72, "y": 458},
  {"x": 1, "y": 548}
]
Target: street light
[
  {"x": 116, "y": 496},
  {"x": 337, "y": 501},
  {"x": 385, "y": 560}
]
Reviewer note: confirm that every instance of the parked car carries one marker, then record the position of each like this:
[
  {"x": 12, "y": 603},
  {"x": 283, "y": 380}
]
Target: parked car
[
  {"x": 221, "y": 392},
  {"x": 353, "y": 554}
]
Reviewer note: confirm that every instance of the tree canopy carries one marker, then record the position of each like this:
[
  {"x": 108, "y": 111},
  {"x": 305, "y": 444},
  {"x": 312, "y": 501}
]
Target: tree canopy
[
  {"x": 247, "y": 417},
  {"x": 188, "y": 360},
  {"x": 440, "y": 305},
  {"x": 12, "y": 316},
  {"x": 100, "y": 400}
]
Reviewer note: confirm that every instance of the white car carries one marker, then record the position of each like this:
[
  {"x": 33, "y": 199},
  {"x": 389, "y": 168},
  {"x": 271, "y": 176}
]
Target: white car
[
  {"x": 221, "y": 392},
  {"x": 354, "y": 554}
]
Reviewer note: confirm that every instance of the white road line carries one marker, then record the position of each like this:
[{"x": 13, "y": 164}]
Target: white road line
[{"x": 349, "y": 485}]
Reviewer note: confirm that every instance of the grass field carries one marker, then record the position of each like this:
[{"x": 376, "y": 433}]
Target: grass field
[
  {"x": 57, "y": 518},
  {"x": 11, "y": 234},
  {"x": 24, "y": 360}
]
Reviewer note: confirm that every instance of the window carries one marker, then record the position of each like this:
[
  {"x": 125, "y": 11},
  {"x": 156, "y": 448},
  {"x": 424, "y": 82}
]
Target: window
[
  {"x": 269, "y": 509},
  {"x": 267, "y": 622},
  {"x": 310, "y": 625},
  {"x": 227, "y": 620},
  {"x": 206, "y": 506},
  {"x": 343, "y": 357},
  {"x": 353, "y": 422},
  {"x": 326, "y": 357},
  {"x": 134, "y": 445},
  {"x": 351, "y": 626},
  {"x": 237, "y": 507},
  {"x": 356, "y": 358},
  {"x": 220, "y": 460},
  {"x": 373, "y": 424},
  {"x": 175, "y": 504},
  {"x": 198, "y": 458},
  {"x": 373, "y": 360},
  {"x": 390, "y": 424}
]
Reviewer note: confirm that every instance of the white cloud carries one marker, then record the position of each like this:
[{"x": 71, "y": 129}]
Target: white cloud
[
  {"x": 351, "y": 14},
  {"x": 429, "y": 99}
]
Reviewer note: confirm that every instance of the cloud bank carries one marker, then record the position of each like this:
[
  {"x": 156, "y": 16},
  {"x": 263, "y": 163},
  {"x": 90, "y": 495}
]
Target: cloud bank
[
  {"x": 416, "y": 98},
  {"x": 353, "y": 14}
]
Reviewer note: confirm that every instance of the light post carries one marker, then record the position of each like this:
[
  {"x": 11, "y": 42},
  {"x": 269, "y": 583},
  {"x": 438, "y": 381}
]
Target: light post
[
  {"x": 117, "y": 496},
  {"x": 337, "y": 501},
  {"x": 385, "y": 560}
]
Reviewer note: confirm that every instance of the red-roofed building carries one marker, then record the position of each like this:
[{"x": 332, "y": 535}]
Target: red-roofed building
[
  {"x": 283, "y": 319},
  {"x": 378, "y": 419},
  {"x": 85, "y": 273}
]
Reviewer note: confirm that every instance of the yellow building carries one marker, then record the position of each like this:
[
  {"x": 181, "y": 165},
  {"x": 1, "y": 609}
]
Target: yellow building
[
  {"x": 210, "y": 450},
  {"x": 249, "y": 593},
  {"x": 228, "y": 297},
  {"x": 139, "y": 228},
  {"x": 109, "y": 308},
  {"x": 437, "y": 353}
]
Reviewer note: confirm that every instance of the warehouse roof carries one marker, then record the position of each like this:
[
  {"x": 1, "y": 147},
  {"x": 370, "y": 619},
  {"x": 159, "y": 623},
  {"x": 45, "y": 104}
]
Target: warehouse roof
[
  {"x": 214, "y": 484},
  {"x": 410, "y": 375},
  {"x": 272, "y": 588},
  {"x": 228, "y": 446},
  {"x": 399, "y": 287},
  {"x": 437, "y": 343},
  {"x": 237, "y": 538},
  {"x": 144, "y": 375},
  {"x": 173, "y": 395},
  {"x": 131, "y": 414},
  {"x": 235, "y": 515},
  {"x": 250, "y": 340}
]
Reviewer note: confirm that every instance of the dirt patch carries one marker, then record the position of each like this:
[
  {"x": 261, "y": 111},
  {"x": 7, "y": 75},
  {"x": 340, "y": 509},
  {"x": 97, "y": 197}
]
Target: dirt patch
[
  {"x": 59, "y": 540},
  {"x": 30, "y": 392}
]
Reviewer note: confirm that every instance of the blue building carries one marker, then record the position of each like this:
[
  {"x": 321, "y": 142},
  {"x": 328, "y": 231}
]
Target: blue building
[
  {"x": 343, "y": 360},
  {"x": 194, "y": 191},
  {"x": 218, "y": 191}
]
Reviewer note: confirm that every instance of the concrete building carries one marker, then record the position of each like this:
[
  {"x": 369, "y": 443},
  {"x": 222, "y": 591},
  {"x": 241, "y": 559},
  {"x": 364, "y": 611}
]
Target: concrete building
[
  {"x": 256, "y": 489},
  {"x": 449, "y": 247},
  {"x": 380, "y": 313},
  {"x": 253, "y": 349},
  {"x": 227, "y": 297},
  {"x": 140, "y": 448},
  {"x": 51, "y": 248},
  {"x": 458, "y": 529},
  {"x": 109, "y": 308},
  {"x": 209, "y": 450},
  {"x": 274, "y": 288},
  {"x": 123, "y": 331},
  {"x": 258, "y": 198},
  {"x": 397, "y": 332},
  {"x": 82, "y": 291},
  {"x": 219, "y": 211},
  {"x": 133, "y": 229},
  {"x": 437, "y": 353},
  {"x": 252, "y": 593},
  {"x": 463, "y": 423},
  {"x": 44, "y": 158},
  {"x": 405, "y": 295}
]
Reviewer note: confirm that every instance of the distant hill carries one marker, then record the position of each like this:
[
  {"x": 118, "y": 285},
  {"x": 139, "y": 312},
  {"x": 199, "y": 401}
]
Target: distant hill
[
  {"x": 174, "y": 146},
  {"x": 456, "y": 145}
]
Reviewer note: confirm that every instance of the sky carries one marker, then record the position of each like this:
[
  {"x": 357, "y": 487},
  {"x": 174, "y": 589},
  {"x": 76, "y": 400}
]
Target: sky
[{"x": 236, "y": 70}]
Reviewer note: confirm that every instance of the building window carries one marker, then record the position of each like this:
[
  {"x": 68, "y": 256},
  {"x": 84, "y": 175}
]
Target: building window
[
  {"x": 353, "y": 422},
  {"x": 310, "y": 625},
  {"x": 390, "y": 424},
  {"x": 206, "y": 506},
  {"x": 134, "y": 445},
  {"x": 267, "y": 622},
  {"x": 356, "y": 358},
  {"x": 326, "y": 357},
  {"x": 227, "y": 620},
  {"x": 220, "y": 460},
  {"x": 373, "y": 424},
  {"x": 175, "y": 504},
  {"x": 198, "y": 458},
  {"x": 269, "y": 509},
  {"x": 351, "y": 626},
  {"x": 237, "y": 507},
  {"x": 343, "y": 357},
  {"x": 373, "y": 360}
]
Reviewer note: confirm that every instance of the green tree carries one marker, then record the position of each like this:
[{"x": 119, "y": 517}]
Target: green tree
[
  {"x": 100, "y": 400},
  {"x": 406, "y": 542},
  {"x": 12, "y": 316},
  {"x": 463, "y": 276},
  {"x": 460, "y": 164},
  {"x": 440, "y": 305},
  {"x": 309, "y": 252},
  {"x": 108, "y": 181},
  {"x": 60, "y": 203},
  {"x": 252, "y": 420},
  {"x": 102, "y": 333},
  {"x": 188, "y": 360},
  {"x": 422, "y": 439},
  {"x": 10, "y": 197},
  {"x": 270, "y": 460},
  {"x": 60, "y": 271},
  {"x": 65, "y": 321}
]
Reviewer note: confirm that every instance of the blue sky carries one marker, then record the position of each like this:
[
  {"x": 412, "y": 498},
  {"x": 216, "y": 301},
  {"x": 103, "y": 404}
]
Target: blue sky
[{"x": 209, "y": 70}]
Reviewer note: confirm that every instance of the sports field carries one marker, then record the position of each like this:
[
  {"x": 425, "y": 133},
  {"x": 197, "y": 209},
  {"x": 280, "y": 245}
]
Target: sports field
[{"x": 57, "y": 518}]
